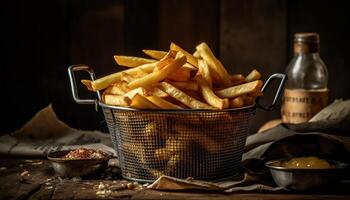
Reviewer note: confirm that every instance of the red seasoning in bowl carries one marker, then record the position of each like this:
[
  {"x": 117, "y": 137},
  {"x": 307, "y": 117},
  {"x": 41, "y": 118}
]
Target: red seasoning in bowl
[{"x": 84, "y": 153}]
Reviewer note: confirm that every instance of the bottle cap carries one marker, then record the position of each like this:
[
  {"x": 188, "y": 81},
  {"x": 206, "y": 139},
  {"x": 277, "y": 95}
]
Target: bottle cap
[
  {"x": 306, "y": 43},
  {"x": 307, "y": 37}
]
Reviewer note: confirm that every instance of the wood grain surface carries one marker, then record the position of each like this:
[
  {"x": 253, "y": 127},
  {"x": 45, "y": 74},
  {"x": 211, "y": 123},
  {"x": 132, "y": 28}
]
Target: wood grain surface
[{"x": 42, "y": 183}]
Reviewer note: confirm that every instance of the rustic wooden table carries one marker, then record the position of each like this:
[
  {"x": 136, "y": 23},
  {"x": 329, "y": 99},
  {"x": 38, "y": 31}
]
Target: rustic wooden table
[{"x": 35, "y": 179}]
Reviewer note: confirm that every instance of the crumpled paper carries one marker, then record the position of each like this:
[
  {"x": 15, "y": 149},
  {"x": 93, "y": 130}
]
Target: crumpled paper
[
  {"x": 327, "y": 135},
  {"x": 45, "y": 133}
]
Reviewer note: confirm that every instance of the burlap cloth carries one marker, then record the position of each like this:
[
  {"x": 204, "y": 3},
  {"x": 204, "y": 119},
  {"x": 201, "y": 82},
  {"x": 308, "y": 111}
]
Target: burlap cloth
[{"x": 327, "y": 135}]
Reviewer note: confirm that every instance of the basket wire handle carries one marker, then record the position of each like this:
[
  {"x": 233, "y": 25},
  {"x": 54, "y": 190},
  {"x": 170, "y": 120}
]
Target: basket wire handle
[
  {"x": 73, "y": 84},
  {"x": 283, "y": 78}
]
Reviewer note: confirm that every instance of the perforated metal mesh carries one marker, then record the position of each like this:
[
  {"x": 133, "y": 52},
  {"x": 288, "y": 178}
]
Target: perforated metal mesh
[{"x": 205, "y": 145}]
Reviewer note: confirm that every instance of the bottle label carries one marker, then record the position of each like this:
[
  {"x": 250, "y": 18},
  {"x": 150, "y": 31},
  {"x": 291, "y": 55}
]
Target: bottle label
[{"x": 301, "y": 105}]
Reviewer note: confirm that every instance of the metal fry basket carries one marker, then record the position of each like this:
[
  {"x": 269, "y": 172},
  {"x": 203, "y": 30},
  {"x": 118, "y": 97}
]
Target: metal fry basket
[{"x": 203, "y": 144}]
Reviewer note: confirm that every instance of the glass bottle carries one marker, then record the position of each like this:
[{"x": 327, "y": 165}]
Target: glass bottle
[{"x": 306, "y": 91}]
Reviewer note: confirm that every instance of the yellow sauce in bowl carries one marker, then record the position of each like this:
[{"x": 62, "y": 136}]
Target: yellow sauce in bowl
[{"x": 311, "y": 162}]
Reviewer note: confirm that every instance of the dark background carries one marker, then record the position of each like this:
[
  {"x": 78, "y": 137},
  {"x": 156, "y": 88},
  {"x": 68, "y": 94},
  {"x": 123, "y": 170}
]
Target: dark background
[{"x": 40, "y": 39}]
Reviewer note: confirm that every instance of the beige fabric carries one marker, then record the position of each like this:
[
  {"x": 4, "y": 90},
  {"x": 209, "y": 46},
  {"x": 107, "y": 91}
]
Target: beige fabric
[
  {"x": 171, "y": 183},
  {"x": 45, "y": 132}
]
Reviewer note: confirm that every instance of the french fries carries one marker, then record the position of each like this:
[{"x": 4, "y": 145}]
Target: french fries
[
  {"x": 253, "y": 76},
  {"x": 141, "y": 102},
  {"x": 104, "y": 82},
  {"x": 158, "y": 76},
  {"x": 116, "y": 100},
  {"x": 205, "y": 52},
  {"x": 182, "y": 74},
  {"x": 131, "y": 94},
  {"x": 203, "y": 69},
  {"x": 190, "y": 58},
  {"x": 162, "y": 103},
  {"x": 167, "y": 59},
  {"x": 190, "y": 85},
  {"x": 237, "y": 102},
  {"x": 176, "y": 79},
  {"x": 117, "y": 88},
  {"x": 239, "y": 90},
  {"x": 155, "y": 53},
  {"x": 127, "y": 77},
  {"x": 237, "y": 79},
  {"x": 209, "y": 95},
  {"x": 130, "y": 61},
  {"x": 183, "y": 97}
]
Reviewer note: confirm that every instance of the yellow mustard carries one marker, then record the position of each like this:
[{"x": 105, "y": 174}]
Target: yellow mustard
[{"x": 311, "y": 162}]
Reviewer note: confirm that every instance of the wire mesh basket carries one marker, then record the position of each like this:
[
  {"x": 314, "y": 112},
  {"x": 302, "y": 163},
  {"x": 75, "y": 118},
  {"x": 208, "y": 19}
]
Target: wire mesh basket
[{"x": 203, "y": 144}]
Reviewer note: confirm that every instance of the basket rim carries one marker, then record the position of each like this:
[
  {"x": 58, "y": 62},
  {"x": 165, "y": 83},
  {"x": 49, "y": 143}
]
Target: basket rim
[{"x": 103, "y": 105}]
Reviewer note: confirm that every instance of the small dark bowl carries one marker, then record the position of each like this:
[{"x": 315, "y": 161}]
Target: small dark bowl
[
  {"x": 76, "y": 168},
  {"x": 305, "y": 179}
]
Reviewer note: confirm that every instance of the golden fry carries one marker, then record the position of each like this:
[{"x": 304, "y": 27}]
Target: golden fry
[
  {"x": 88, "y": 84},
  {"x": 104, "y": 82},
  {"x": 182, "y": 74},
  {"x": 253, "y": 76},
  {"x": 158, "y": 76},
  {"x": 206, "y": 53},
  {"x": 215, "y": 77},
  {"x": 116, "y": 100},
  {"x": 209, "y": 96},
  {"x": 155, "y": 54},
  {"x": 141, "y": 102},
  {"x": 250, "y": 98},
  {"x": 140, "y": 73},
  {"x": 166, "y": 60},
  {"x": 190, "y": 85},
  {"x": 194, "y": 94},
  {"x": 239, "y": 90},
  {"x": 131, "y": 94},
  {"x": 183, "y": 97},
  {"x": 117, "y": 88},
  {"x": 131, "y": 61},
  {"x": 162, "y": 103},
  {"x": 127, "y": 77},
  {"x": 190, "y": 67},
  {"x": 190, "y": 58},
  {"x": 237, "y": 79},
  {"x": 205, "y": 72},
  {"x": 157, "y": 92},
  {"x": 237, "y": 102},
  {"x": 196, "y": 54}
]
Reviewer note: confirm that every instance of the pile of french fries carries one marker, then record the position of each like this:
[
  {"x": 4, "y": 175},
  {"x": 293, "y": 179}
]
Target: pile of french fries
[{"x": 177, "y": 79}]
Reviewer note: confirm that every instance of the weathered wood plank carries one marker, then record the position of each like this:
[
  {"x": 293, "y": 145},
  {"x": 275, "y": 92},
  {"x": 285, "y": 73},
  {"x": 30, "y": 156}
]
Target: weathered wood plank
[
  {"x": 15, "y": 186},
  {"x": 43, "y": 184},
  {"x": 253, "y": 34},
  {"x": 68, "y": 189}
]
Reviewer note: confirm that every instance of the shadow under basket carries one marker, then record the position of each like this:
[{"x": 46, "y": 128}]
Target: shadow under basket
[{"x": 202, "y": 144}]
